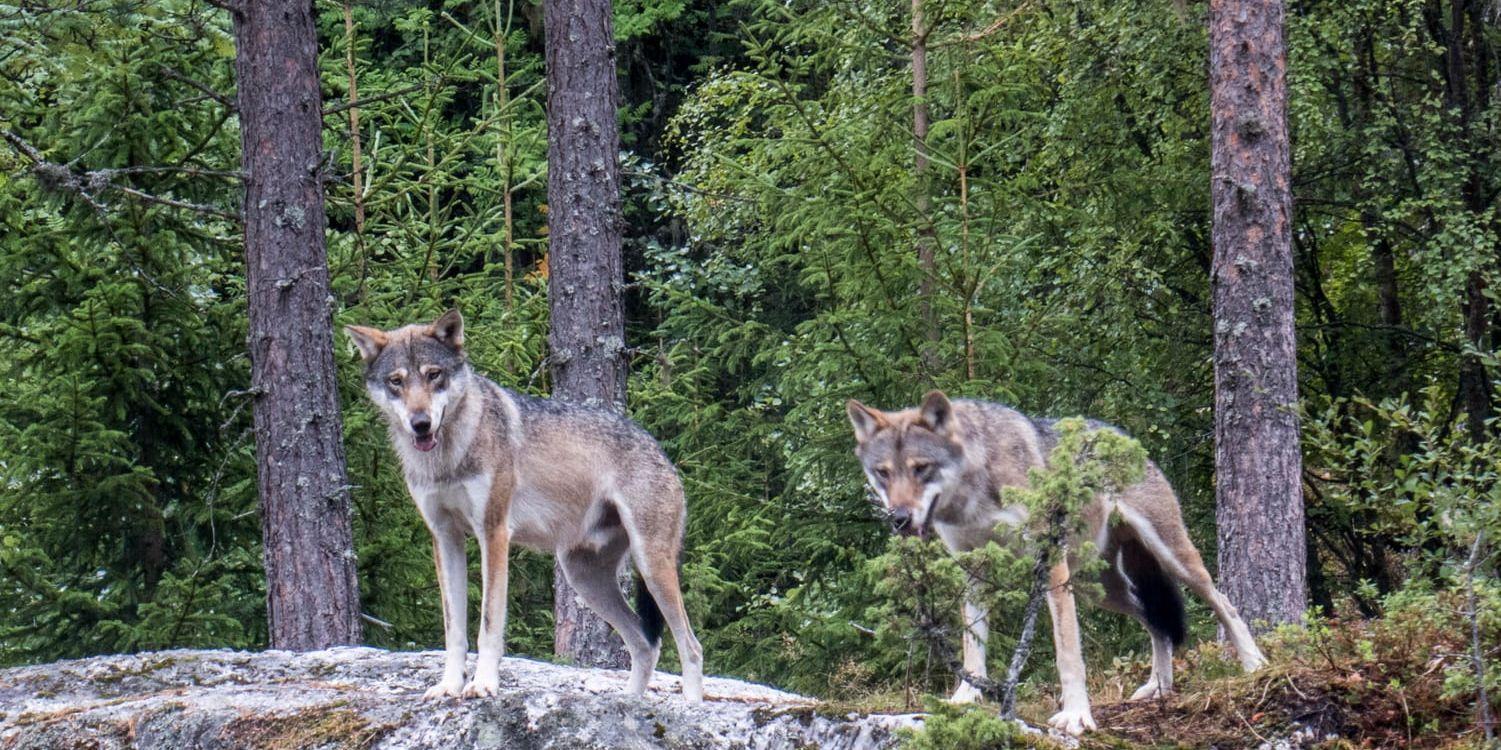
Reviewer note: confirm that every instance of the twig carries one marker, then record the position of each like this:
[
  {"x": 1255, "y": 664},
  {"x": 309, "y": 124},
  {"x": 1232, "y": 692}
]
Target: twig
[
  {"x": 87, "y": 185},
  {"x": 173, "y": 202},
  {"x": 373, "y": 620},
  {"x": 1477, "y": 653},
  {"x": 341, "y": 106},
  {"x": 1023, "y": 648},
  {"x": 207, "y": 90}
]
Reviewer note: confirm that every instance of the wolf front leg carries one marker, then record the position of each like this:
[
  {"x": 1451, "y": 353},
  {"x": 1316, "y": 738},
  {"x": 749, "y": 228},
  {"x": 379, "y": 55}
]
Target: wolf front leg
[
  {"x": 494, "y": 558},
  {"x": 448, "y": 555},
  {"x": 494, "y": 497},
  {"x": 1075, "y": 717},
  {"x": 976, "y": 633}
]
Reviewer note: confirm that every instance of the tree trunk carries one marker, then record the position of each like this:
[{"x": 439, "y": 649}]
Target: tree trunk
[
  {"x": 585, "y": 280},
  {"x": 312, "y": 599},
  {"x": 1474, "y": 381},
  {"x": 1258, "y": 463},
  {"x": 927, "y": 237}
]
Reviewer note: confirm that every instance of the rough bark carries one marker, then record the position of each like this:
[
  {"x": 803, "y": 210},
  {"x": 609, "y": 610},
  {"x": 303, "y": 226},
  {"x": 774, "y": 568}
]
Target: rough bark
[
  {"x": 1257, "y": 457},
  {"x": 311, "y": 596},
  {"x": 585, "y": 281},
  {"x": 1475, "y": 388},
  {"x": 927, "y": 238}
]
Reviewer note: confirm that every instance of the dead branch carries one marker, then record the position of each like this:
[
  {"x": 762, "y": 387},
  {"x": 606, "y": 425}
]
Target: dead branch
[
  {"x": 207, "y": 90},
  {"x": 89, "y": 185},
  {"x": 341, "y": 106}
]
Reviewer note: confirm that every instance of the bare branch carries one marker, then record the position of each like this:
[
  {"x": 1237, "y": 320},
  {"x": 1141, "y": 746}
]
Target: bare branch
[
  {"x": 207, "y": 90},
  {"x": 89, "y": 185},
  {"x": 173, "y": 202},
  {"x": 341, "y": 106}
]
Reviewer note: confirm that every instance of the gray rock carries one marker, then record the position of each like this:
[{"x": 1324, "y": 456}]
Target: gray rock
[{"x": 369, "y": 698}]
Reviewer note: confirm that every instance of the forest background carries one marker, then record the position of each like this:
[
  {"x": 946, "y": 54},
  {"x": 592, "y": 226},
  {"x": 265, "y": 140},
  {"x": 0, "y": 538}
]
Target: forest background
[{"x": 773, "y": 207}]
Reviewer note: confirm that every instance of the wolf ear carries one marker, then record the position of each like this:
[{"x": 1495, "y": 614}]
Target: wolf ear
[
  {"x": 368, "y": 340},
  {"x": 866, "y": 421},
  {"x": 937, "y": 413},
  {"x": 449, "y": 329}
]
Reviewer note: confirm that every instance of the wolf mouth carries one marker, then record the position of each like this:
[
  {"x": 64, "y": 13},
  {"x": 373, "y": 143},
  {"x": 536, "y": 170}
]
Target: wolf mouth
[{"x": 426, "y": 442}]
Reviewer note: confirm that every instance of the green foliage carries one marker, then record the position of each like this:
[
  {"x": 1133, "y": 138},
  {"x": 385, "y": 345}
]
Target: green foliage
[
  {"x": 918, "y": 583},
  {"x": 774, "y": 210},
  {"x": 126, "y": 481},
  {"x": 967, "y": 727}
]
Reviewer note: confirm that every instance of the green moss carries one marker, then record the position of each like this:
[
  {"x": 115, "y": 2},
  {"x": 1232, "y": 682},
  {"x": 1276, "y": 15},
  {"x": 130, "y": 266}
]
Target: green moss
[
  {"x": 141, "y": 670},
  {"x": 326, "y": 726}
]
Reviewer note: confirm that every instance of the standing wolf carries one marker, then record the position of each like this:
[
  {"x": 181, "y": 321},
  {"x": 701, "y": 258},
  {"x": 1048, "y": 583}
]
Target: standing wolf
[
  {"x": 942, "y": 466},
  {"x": 585, "y": 484}
]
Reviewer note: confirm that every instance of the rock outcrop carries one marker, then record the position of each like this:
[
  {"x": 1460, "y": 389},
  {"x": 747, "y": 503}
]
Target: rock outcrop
[{"x": 369, "y": 698}]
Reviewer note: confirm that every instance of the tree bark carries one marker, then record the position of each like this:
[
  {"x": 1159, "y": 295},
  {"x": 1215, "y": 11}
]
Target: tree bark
[
  {"x": 585, "y": 280},
  {"x": 1258, "y": 462},
  {"x": 312, "y": 598},
  {"x": 1475, "y": 389},
  {"x": 927, "y": 238}
]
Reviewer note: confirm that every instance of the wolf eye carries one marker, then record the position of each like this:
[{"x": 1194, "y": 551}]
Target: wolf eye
[
  {"x": 394, "y": 381},
  {"x": 883, "y": 473},
  {"x": 434, "y": 376},
  {"x": 923, "y": 471}
]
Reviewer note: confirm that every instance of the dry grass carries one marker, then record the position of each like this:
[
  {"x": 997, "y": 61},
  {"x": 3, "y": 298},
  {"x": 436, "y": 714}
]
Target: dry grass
[{"x": 1395, "y": 682}]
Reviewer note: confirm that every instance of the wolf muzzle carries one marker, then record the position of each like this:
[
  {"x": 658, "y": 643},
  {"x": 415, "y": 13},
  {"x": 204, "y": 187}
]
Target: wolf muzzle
[
  {"x": 906, "y": 523},
  {"x": 422, "y": 431}
]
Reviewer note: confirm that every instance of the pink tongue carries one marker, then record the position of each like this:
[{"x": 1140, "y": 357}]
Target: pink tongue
[{"x": 425, "y": 443}]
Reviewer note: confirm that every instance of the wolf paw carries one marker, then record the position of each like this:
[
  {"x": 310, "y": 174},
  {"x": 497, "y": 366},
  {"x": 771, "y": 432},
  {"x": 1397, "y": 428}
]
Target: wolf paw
[
  {"x": 482, "y": 687},
  {"x": 1252, "y": 661},
  {"x": 1150, "y": 691},
  {"x": 966, "y": 693},
  {"x": 444, "y": 689},
  {"x": 1075, "y": 722}
]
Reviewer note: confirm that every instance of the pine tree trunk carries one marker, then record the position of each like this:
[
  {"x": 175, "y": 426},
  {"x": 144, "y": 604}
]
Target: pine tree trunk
[
  {"x": 311, "y": 595},
  {"x": 927, "y": 237},
  {"x": 1258, "y": 462},
  {"x": 585, "y": 280}
]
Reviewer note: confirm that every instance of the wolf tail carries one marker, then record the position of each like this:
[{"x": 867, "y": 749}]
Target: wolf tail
[
  {"x": 650, "y": 614},
  {"x": 1157, "y": 594}
]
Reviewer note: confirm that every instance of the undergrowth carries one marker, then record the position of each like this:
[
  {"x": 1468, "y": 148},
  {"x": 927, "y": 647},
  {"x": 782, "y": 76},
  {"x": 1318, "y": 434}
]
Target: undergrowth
[{"x": 1402, "y": 680}]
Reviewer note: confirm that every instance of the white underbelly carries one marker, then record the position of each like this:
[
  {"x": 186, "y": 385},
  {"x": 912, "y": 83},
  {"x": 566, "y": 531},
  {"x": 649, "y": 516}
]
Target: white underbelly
[{"x": 534, "y": 521}]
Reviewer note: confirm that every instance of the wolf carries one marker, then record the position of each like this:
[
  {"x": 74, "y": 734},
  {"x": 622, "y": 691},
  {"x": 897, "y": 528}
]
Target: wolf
[
  {"x": 940, "y": 468},
  {"x": 582, "y": 483}
]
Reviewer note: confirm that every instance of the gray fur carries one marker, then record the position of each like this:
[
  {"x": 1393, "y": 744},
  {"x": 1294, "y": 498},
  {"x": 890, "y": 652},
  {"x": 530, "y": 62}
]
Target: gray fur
[
  {"x": 587, "y": 485},
  {"x": 944, "y": 465}
]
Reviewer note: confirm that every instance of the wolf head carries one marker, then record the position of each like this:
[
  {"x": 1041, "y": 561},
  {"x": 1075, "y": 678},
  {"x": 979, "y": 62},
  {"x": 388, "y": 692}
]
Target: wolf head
[
  {"x": 910, "y": 457},
  {"x": 415, "y": 374}
]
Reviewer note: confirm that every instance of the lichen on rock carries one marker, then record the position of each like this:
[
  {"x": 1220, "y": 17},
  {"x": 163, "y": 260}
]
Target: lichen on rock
[{"x": 355, "y": 698}]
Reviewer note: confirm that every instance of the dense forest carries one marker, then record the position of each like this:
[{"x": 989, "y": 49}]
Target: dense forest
[{"x": 802, "y": 226}]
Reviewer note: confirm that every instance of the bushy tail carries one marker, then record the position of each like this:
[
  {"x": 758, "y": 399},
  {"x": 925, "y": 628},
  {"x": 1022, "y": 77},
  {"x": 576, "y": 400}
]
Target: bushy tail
[
  {"x": 1157, "y": 593},
  {"x": 649, "y": 612}
]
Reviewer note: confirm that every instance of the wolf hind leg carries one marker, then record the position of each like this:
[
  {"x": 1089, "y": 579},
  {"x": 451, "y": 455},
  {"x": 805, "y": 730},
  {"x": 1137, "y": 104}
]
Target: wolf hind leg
[
  {"x": 652, "y": 509},
  {"x": 661, "y": 579},
  {"x": 592, "y": 574},
  {"x": 1169, "y": 543}
]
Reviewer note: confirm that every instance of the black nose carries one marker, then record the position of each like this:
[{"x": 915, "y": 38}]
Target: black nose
[
  {"x": 901, "y": 520},
  {"x": 421, "y": 423}
]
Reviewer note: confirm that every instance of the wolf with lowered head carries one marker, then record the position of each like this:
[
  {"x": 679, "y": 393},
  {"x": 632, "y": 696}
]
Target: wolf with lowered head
[
  {"x": 940, "y": 468},
  {"x": 585, "y": 484}
]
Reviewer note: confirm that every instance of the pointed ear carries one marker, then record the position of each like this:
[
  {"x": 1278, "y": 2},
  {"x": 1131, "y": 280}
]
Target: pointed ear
[
  {"x": 866, "y": 421},
  {"x": 937, "y": 413},
  {"x": 368, "y": 340},
  {"x": 449, "y": 329}
]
